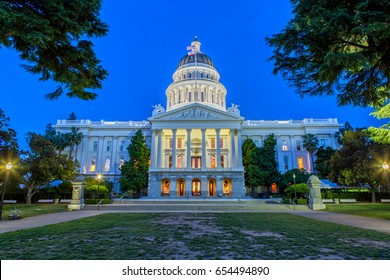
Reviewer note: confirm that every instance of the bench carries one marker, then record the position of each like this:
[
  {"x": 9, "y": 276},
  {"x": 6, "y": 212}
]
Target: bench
[
  {"x": 328, "y": 200},
  {"x": 9, "y": 201},
  {"x": 385, "y": 200},
  {"x": 45, "y": 200},
  {"x": 348, "y": 200},
  {"x": 65, "y": 201},
  {"x": 15, "y": 213}
]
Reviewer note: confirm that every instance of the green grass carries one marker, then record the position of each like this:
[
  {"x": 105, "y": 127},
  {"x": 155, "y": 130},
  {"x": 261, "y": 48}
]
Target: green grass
[
  {"x": 29, "y": 210},
  {"x": 195, "y": 236},
  {"x": 372, "y": 210}
]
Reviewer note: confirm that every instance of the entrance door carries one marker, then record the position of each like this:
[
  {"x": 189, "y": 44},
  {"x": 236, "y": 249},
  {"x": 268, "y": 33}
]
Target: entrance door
[
  {"x": 212, "y": 187},
  {"x": 196, "y": 190}
]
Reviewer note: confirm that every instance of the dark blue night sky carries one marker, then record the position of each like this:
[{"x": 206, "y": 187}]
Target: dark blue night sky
[{"x": 146, "y": 41}]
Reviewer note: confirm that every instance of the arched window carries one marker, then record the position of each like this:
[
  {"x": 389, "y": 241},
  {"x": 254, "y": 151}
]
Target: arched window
[
  {"x": 202, "y": 96},
  {"x": 121, "y": 162},
  {"x": 92, "y": 168},
  {"x": 201, "y": 75},
  {"x": 196, "y": 96},
  {"x": 107, "y": 165},
  {"x": 189, "y": 75},
  {"x": 179, "y": 97},
  {"x": 189, "y": 96}
]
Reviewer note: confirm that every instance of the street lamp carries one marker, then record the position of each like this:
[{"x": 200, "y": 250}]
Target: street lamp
[
  {"x": 98, "y": 177},
  {"x": 385, "y": 166},
  {"x": 7, "y": 167},
  {"x": 295, "y": 189}
]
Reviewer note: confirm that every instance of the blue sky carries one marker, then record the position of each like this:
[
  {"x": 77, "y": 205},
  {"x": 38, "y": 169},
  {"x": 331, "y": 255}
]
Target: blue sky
[{"x": 141, "y": 51}]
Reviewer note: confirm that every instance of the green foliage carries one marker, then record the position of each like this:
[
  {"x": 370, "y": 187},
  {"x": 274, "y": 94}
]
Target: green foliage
[
  {"x": 358, "y": 162},
  {"x": 90, "y": 181},
  {"x": 381, "y": 134},
  {"x": 96, "y": 191},
  {"x": 301, "y": 176},
  {"x": 43, "y": 164},
  {"x": 135, "y": 171},
  {"x": 260, "y": 163},
  {"x": 310, "y": 143},
  {"x": 338, "y": 47},
  {"x": 323, "y": 161},
  {"x": 51, "y": 36},
  {"x": 301, "y": 189}
]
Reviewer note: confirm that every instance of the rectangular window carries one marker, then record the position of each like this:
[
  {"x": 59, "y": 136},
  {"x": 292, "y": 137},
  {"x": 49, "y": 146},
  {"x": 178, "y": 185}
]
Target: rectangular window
[
  {"x": 298, "y": 145},
  {"x": 285, "y": 163},
  {"x": 284, "y": 145},
  {"x": 108, "y": 147},
  {"x": 300, "y": 162},
  {"x": 170, "y": 162},
  {"x": 122, "y": 146},
  {"x": 222, "y": 161},
  {"x": 179, "y": 162},
  {"x": 221, "y": 143},
  {"x": 179, "y": 143},
  {"x": 169, "y": 143},
  {"x": 196, "y": 162},
  {"x": 212, "y": 143},
  {"x": 95, "y": 146},
  {"x": 322, "y": 142},
  {"x": 212, "y": 163}
]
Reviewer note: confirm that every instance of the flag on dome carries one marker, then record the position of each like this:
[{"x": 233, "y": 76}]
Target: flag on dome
[{"x": 191, "y": 49}]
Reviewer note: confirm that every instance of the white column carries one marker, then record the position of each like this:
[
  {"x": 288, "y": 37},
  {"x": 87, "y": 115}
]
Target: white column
[
  {"x": 100, "y": 155},
  {"x": 153, "y": 149},
  {"x": 239, "y": 148},
  {"x": 204, "y": 148},
  {"x": 293, "y": 145},
  {"x": 232, "y": 150},
  {"x": 84, "y": 153},
  {"x": 174, "y": 148},
  {"x": 188, "y": 148},
  {"x": 159, "y": 148},
  {"x": 218, "y": 157},
  {"x": 114, "y": 153}
]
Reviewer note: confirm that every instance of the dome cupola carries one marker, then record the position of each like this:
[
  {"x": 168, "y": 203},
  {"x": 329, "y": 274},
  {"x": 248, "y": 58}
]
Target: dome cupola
[{"x": 196, "y": 80}]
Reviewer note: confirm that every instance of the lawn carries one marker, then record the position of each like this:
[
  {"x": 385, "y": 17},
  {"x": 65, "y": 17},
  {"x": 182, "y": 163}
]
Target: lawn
[
  {"x": 372, "y": 210},
  {"x": 195, "y": 236},
  {"x": 29, "y": 210}
]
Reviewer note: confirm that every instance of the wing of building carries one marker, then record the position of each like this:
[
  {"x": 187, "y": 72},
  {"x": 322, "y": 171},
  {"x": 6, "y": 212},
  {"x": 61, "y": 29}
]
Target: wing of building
[{"x": 196, "y": 141}]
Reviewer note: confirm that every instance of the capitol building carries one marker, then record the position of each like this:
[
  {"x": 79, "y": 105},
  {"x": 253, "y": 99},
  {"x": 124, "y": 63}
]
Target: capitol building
[{"x": 196, "y": 140}]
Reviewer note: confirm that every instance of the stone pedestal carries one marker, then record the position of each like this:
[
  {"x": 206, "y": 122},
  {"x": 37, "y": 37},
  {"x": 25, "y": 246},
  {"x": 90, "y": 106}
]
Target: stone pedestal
[
  {"x": 77, "y": 202},
  {"x": 315, "y": 201}
]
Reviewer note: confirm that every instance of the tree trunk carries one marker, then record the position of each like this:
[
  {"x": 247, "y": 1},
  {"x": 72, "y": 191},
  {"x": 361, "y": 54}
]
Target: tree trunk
[
  {"x": 29, "y": 195},
  {"x": 373, "y": 200}
]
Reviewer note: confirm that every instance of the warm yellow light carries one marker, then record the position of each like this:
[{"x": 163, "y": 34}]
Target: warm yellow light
[
  {"x": 385, "y": 165},
  {"x": 8, "y": 166},
  {"x": 99, "y": 176}
]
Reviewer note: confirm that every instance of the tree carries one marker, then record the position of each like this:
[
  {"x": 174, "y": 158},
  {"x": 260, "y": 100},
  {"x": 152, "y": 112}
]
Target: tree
[
  {"x": 310, "y": 143},
  {"x": 9, "y": 152},
  {"x": 51, "y": 36},
  {"x": 261, "y": 168},
  {"x": 301, "y": 176},
  {"x": 381, "y": 134},
  {"x": 322, "y": 162},
  {"x": 336, "y": 47},
  {"x": 43, "y": 164},
  {"x": 248, "y": 160},
  {"x": 57, "y": 138},
  {"x": 339, "y": 134},
  {"x": 73, "y": 138},
  {"x": 358, "y": 162},
  {"x": 135, "y": 171},
  {"x": 72, "y": 117}
]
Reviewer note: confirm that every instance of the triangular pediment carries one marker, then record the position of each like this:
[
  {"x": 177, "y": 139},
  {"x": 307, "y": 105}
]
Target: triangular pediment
[{"x": 193, "y": 113}]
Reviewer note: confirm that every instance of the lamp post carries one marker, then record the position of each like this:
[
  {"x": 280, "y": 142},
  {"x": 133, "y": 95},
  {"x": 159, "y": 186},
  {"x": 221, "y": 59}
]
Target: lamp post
[
  {"x": 7, "y": 167},
  {"x": 385, "y": 167},
  {"x": 295, "y": 189},
  {"x": 98, "y": 177}
]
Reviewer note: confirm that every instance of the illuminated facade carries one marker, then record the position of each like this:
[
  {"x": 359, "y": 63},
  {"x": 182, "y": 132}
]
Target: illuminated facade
[{"x": 196, "y": 141}]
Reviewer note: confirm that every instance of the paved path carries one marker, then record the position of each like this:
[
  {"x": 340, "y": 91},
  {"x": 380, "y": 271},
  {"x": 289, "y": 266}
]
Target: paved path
[
  {"x": 42, "y": 220},
  {"x": 348, "y": 220}
]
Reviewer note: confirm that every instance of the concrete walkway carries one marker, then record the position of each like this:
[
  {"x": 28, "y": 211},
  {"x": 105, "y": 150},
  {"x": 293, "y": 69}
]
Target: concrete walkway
[{"x": 55, "y": 218}]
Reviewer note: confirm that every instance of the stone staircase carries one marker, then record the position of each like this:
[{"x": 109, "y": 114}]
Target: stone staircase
[{"x": 196, "y": 205}]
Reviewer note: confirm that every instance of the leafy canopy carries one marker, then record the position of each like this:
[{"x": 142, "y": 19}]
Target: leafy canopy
[
  {"x": 52, "y": 37},
  {"x": 135, "y": 171},
  {"x": 338, "y": 47}
]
